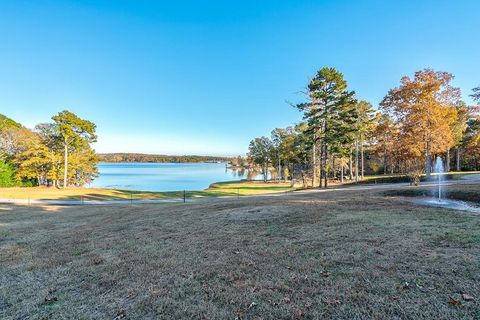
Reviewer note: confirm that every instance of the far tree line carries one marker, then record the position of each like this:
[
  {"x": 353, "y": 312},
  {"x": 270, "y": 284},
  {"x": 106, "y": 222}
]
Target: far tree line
[
  {"x": 158, "y": 158},
  {"x": 342, "y": 137}
]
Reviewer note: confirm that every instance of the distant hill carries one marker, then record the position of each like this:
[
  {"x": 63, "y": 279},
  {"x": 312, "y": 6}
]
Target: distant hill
[
  {"x": 6, "y": 123},
  {"x": 158, "y": 158}
]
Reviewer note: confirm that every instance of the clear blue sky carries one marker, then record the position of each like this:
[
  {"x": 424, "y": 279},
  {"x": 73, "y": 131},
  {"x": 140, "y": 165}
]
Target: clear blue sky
[{"x": 205, "y": 77}]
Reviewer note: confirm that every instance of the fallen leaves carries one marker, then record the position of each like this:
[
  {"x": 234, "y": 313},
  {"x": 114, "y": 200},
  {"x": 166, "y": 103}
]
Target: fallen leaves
[
  {"x": 426, "y": 252},
  {"x": 326, "y": 274},
  {"x": 453, "y": 301},
  {"x": 50, "y": 298},
  {"x": 120, "y": 314},
  {"x": 467, "y": 297}
]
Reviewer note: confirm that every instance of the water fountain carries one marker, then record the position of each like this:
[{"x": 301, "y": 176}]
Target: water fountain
[
  {"x": 440, "y": 201},
  {"x": 439, "y": 171}
]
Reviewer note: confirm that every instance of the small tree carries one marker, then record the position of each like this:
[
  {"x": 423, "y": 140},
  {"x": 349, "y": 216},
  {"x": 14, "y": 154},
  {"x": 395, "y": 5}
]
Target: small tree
[
  {"x": 459, "y": 127},
  {"x": 364, "y": 127},
  {"x": 7, "y": 174},
  {"x": 386, "y": 134},
  {"x": 414, "y": 171},
  {"x": 35, "y": 161},
  {"x": 260, "y": 151},
  {"x": 476, "y": 94}
]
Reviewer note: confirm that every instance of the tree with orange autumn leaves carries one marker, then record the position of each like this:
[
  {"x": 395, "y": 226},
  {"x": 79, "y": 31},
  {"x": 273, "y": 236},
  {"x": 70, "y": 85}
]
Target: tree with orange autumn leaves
[{"x": 423, "y": 109}]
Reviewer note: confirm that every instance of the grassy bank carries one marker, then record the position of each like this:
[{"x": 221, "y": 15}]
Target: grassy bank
[
  {"x": 463, "y": 192},
  {"x": 398, "y": 178},
  {"x": 335, "y": 255},
  {"x": 220, "y": 189},
  {"x": 232, "y": 188}
]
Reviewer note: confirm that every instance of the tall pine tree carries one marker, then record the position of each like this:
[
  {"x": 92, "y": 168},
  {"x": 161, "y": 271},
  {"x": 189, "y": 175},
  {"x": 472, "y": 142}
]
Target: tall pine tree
[{"x": 331, "y": 116}]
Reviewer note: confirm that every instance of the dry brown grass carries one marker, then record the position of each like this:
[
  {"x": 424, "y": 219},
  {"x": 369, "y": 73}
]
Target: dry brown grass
[{"x": 345, "y": 255}]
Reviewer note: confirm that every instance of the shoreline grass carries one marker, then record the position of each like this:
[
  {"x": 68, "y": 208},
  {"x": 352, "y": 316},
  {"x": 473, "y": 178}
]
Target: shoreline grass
[{"x": 218, "y": 189}]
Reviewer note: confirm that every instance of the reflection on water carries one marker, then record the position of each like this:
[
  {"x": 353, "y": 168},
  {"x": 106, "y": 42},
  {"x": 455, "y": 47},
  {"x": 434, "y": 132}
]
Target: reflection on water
[{"x": 164, "y": 176}]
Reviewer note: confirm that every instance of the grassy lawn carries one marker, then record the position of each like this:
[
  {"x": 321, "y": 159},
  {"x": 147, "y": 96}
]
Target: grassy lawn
[
  {"x": 215, "y": 190},
  {"x": 339, "y": 254}
]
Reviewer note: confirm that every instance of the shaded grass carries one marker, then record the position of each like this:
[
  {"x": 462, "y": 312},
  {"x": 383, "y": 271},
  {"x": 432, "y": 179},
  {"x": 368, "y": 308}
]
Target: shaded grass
[
  {"x": 398, "y": 178},
  {"x": 349, "y": 255},
  {"x": 463, "y": 192}
]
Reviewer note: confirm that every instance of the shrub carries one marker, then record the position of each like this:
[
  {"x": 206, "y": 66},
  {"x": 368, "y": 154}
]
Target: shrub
[{"x": 7, "y": 174}]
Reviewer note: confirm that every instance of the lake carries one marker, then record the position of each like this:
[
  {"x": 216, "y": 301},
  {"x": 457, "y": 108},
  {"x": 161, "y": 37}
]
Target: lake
[{"x": 163, "y": 176}]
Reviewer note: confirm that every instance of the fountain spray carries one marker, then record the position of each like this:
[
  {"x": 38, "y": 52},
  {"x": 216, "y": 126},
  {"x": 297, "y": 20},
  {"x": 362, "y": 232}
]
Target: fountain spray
[{"x": 439, "y": 170}]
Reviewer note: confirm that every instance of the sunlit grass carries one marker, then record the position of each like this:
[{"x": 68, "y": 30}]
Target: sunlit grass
[{"x": 221, "y": 189}]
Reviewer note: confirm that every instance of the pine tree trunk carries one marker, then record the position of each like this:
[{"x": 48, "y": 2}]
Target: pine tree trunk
[
  {"x": 292, "y": 179},
  {"x": 326, "y": 132},
  {"x": 350, "y": 164},
  {"x": 447, "y": 161},
  {"x": 65, "y": 171},
  {"x": 334, "y": 173},
  {"x": 265, "y": 172},
  {"x": 325, "y": 173},
  {"x": 363, "y": 168},
  {"x": 285, "y": 177},
  {"x": 279, "y": 177},
  {"x": 457, "y": 160},
  {"x": 356, "y": 161},
  {"x": 428, "y": 160},
  {"x": 385, "y": 158},
  {"x": 314, "y": 161},
  {"x": 341, "y": 173}
]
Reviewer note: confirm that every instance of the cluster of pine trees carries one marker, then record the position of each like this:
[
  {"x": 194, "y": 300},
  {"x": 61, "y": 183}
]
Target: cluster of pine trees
[
  {"x": 53, "y": 154},
  {"x": 342, "y": 137}
]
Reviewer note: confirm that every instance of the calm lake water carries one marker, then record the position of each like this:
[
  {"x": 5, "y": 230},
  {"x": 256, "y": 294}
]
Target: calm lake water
[{"x": 162, "y": 176}]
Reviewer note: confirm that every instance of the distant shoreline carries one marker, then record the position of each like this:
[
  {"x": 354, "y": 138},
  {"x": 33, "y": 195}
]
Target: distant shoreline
[{"x": 159, "y": 158}]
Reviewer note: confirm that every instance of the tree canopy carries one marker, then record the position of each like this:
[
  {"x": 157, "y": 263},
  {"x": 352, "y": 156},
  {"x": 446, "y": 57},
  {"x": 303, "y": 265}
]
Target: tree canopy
[
  {"x": 424, "y": 109},
  {"x": 422, "y": 118},
  {"x": 50, "y": 152}
]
